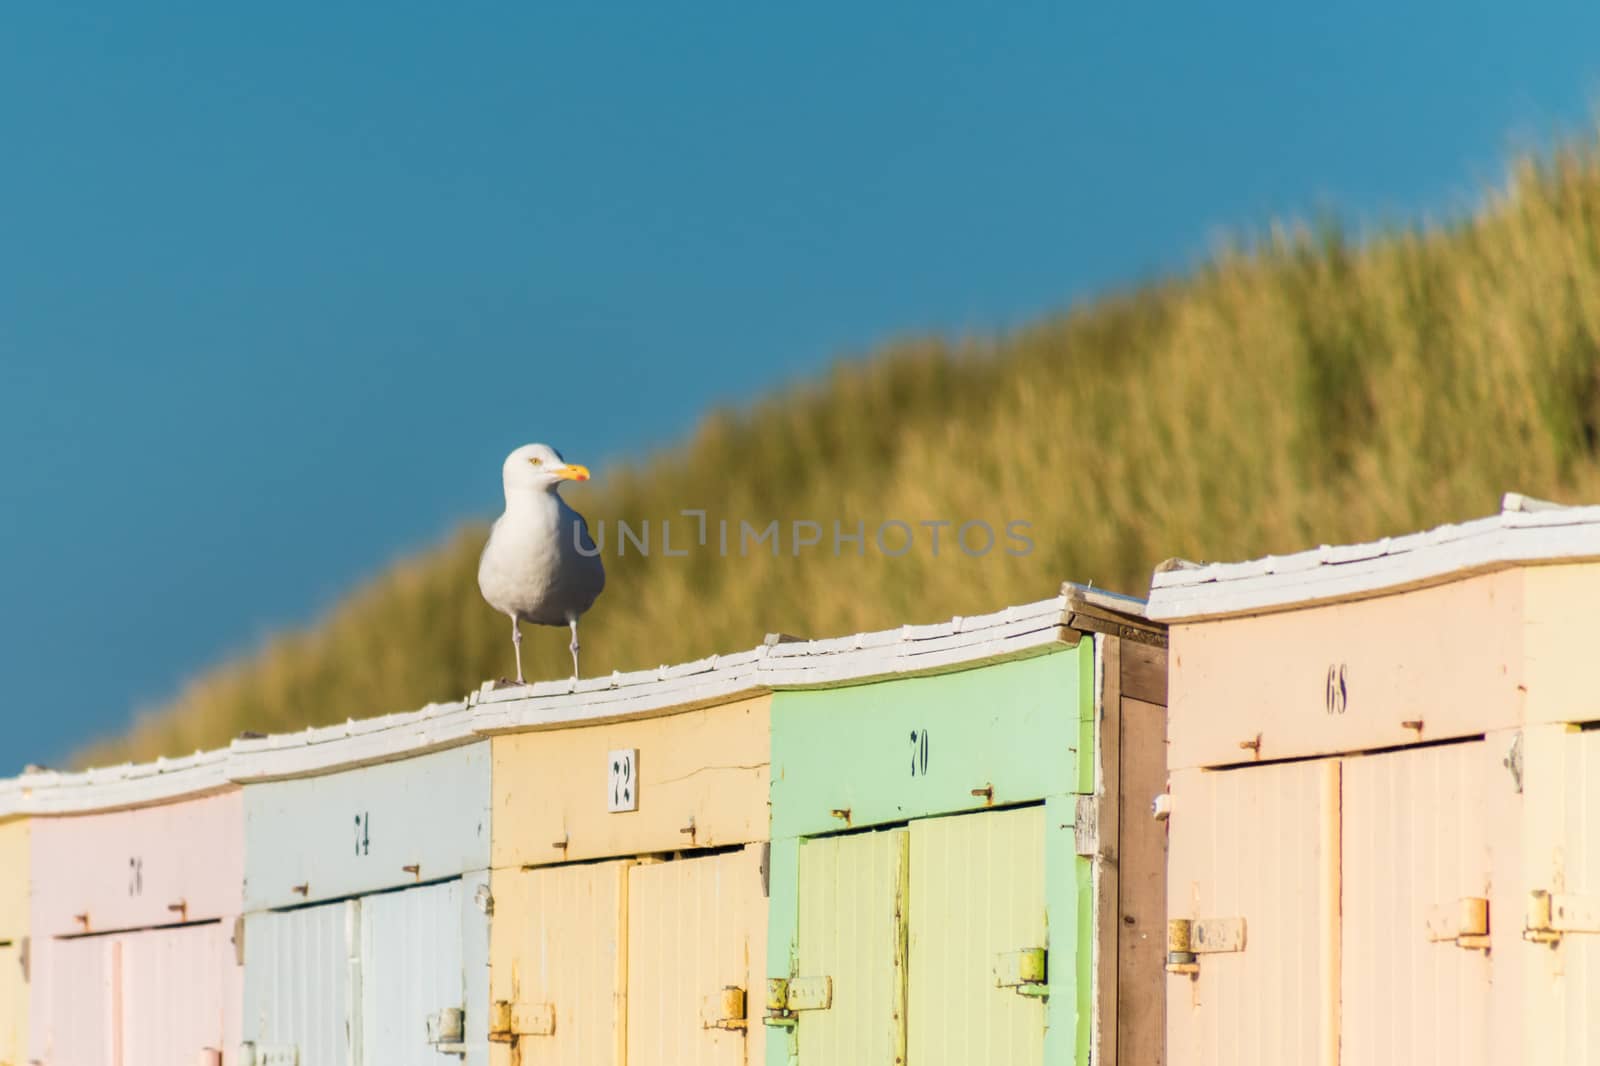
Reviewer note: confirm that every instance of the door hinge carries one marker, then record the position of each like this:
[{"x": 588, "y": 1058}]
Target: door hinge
[
  {"x": 1464, "y": 923},
  {"x": 724, "y": 1009},
  {"x": 1025, "y": 972},
  {"x": 787, "y": 996},
  {"x": 508, "y": 1020},
  {"x": 1188, "y": 939},
  {"x": 1551, "y": 916}
]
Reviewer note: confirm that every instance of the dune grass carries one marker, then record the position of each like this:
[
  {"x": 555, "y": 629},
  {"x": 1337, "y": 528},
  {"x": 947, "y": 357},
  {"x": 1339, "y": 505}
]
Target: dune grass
[{"x": 1303, "y": 389}]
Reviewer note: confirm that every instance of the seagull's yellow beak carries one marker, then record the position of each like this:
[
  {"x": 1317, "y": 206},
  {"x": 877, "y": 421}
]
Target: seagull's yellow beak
[{"x": 572, "y": 472}]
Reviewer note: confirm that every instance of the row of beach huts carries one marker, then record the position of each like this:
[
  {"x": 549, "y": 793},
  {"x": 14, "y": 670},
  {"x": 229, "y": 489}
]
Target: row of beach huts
[{"x": 1335, "y": 807}]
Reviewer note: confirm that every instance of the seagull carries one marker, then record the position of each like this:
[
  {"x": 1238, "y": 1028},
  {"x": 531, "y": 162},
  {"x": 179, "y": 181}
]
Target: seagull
[{"x": 540, "y": 565}]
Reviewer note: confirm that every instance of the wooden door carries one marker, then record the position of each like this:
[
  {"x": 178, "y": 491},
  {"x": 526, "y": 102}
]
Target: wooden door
[
  {"x": 693, "y": 926},
  {"x": 1257, "y": 849},
  {"x": 410, "y": 970},
  {"x": 299, "y": 971},
  {"x": 852, "y": 932},
  {"x": 977, "y": 906},
  {"x": 1416, "y": 864},
  {"x": 559, "y": 962}
]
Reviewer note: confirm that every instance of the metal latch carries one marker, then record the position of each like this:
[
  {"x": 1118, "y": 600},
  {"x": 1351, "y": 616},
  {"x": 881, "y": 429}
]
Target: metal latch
[
  {"x": 1551, "y": 916},
  {"x": 508, "y": 1020},
  {"x": 1188, "y": 939},
  {"x": 786, "y": 996},
  {"x": 1023, "y": 971},
  {"x": 724, "y": 1009},
  {"x": 1464, "y": 922}
]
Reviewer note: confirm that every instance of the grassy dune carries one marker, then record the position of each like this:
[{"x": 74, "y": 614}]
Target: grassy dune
[{"x": 1306, "y": 389}]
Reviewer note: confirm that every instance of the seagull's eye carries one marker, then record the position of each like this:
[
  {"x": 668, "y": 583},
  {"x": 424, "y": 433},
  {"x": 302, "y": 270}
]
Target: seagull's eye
[{"x": 536, "y": 461}]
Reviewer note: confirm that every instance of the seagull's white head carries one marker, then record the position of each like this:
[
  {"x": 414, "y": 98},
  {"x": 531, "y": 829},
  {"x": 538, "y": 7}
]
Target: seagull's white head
[{"x": 538, "y": 467}]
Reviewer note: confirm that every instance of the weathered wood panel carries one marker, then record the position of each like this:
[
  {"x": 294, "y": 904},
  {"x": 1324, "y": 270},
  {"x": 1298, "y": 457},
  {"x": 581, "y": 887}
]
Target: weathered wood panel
[
  {"x": 368, "y": 828},
  {"x": 882, "y": 753},
  {"x": 1561, "y": 617},
  {"x": 1143, "y": 671},
  {"x": 1429, "y": 664},
  {"x": 147, "y": 866},
  {"x": 1142, "y": 887},
  {"x": 701, "y": 782}
]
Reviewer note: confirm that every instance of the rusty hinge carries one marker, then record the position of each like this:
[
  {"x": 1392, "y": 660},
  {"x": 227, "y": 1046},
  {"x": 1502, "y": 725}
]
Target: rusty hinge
[
  {"x": 723, "y": 1009},
  {"x": 1551, "y": 916},
  {"x": 1188, "y": 939},
  {"x": 1025, "y": 972},
  {"x": 787, "y": 996},
  {"x": 508, "y": 1020},
  {"x": 1464, "y": 923},
  {"x": 777, "y": 1013}
]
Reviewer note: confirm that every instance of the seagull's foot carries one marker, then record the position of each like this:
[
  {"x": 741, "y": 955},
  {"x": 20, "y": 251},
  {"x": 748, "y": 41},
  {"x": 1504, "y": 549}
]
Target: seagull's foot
[{"x": 501, "y": 683}]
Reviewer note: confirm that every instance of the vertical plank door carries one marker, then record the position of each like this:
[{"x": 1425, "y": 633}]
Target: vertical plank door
[
  {"x": 174, "y": 994},
  {"x": 82, "y": 1027},
  {"x": 410, "y": 969},
  {"x": 1562, "y": 986},
  {"x": 13, "y": 1004},
  {"x": 1257, "y": 847},
  {"x": 297, "y": 976},
  {"x": 852, "y": 931},
  {"x": 1415, "y": 847},
  {"x": 693, "y": 925},
  {"x": 559, "y": 961},
  {"x": 977, "y": 902},
  {"x": 15, "y": 920},
  {"x": 1141, "y": 857}
]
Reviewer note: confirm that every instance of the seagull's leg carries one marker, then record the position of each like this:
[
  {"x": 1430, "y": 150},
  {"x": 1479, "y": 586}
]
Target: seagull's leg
[
  {"x": 516, "y": 642},
  {"x": 573, "y": 622}
]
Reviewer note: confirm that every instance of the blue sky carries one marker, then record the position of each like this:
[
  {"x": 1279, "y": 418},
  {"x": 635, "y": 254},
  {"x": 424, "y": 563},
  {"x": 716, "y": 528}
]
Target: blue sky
[{"x": 278, "y": 290}]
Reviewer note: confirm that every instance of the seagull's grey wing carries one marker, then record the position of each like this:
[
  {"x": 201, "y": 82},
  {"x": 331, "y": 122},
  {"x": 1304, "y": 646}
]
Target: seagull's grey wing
[
  {"x": 583, "y": 574},
  {"x": 583, "y": 538}
]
